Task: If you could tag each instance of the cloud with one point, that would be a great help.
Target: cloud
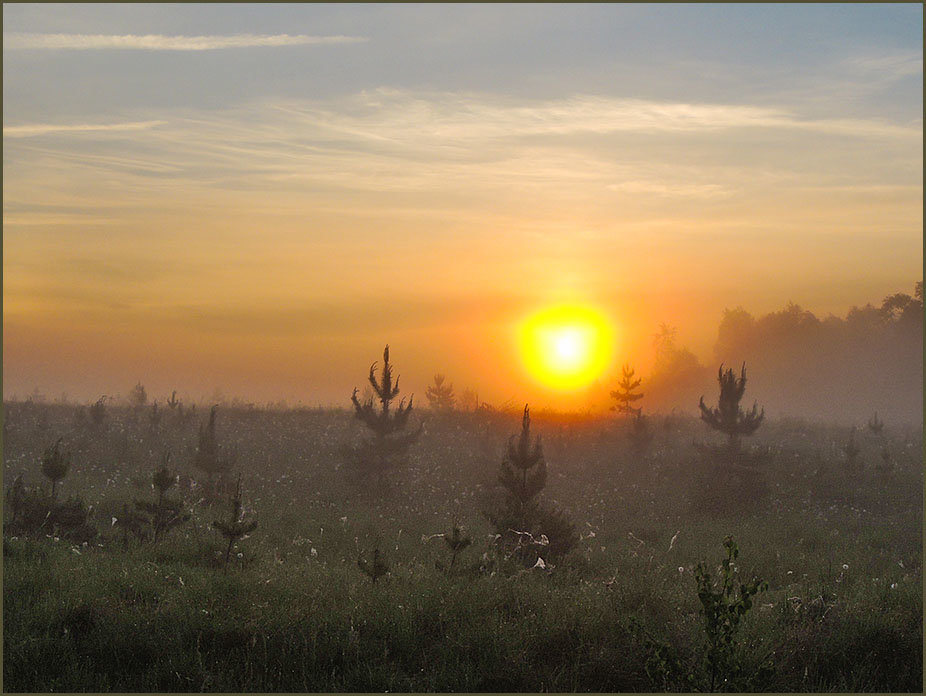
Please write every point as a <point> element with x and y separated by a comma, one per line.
<point>29,131</point>
<point>159,42</point>
<point>892,66</point>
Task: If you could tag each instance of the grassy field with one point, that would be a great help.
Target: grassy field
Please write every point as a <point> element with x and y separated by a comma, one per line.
<point>840,549</point>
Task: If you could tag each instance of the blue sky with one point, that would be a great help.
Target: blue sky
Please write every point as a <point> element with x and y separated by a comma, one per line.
<point>731,53</point>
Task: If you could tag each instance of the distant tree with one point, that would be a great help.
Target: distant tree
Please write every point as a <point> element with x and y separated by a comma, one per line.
<point>664,339</point>
<point>440,396</point>
<point>235,528</point>
<point>728,418</point>
<point>55,465</point>
<point>469,400</point>
<point>377,456</point>
<point>173,402</point>
<point>138,397</point>
<point>626,393</point>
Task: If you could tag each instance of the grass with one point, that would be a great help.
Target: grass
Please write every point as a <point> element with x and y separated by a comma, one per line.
<point>842,554</point>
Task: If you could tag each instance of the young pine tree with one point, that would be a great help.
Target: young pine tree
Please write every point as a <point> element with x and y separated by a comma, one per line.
<point>440,396</point>
<point>728,417</point>
<point>457,540</point>
<point>375,569</point>
<point>626,394</point>
<point>523,473</point>
<point>388,445</point>
<point>55,465</point>
<point>98,412</point>
<point>851,450</point>
<point>208,457</point>
<point>876,425</point>
<point>165,514</point>
<point>235,528</point>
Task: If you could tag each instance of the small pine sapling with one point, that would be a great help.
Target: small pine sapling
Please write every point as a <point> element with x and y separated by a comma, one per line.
<point>440,395</point>
<point>98,412</point>
<point>851,450</point>
<point>138,397</point>
<point>208,457</point>
<point>386,450</point>
<point>173,402</point>
<point>71,520</point>
<point>523,471</point>
<point>723,608</point>
<point>235,528</point>
<point>640,434</point>
<point>886,465</point>
<point>875,425</point>
<point>16,497</point>
<point>456,541</point>
<point>728,417</point>
<point>375,570</point>
<point>130,522</point>
<point>165,513</point>
<point>625,394</point>
<point>154,417</point>
<point>55,465</point>
<point>523,474</point>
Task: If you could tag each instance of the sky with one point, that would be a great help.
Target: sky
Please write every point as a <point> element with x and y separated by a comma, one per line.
<point>252,200</point>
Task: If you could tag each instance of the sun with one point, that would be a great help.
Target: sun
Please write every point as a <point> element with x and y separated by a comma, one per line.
<point>566,346</point>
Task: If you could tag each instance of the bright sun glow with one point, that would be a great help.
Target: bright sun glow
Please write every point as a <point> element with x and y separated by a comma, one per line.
<point>566,346</point>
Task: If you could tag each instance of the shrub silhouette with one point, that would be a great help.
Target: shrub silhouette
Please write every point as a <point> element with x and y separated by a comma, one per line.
<point>376,457</point>
<point>728,417</point>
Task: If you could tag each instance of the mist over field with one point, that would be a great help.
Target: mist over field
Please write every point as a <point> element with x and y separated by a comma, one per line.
<point>462,348</point>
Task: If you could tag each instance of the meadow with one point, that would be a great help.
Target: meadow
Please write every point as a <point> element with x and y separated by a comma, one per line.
<point>839,546</point>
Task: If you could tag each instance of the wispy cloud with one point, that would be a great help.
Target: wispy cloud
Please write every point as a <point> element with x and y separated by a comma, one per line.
<point>32,130</point>
<point>160,42</point>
